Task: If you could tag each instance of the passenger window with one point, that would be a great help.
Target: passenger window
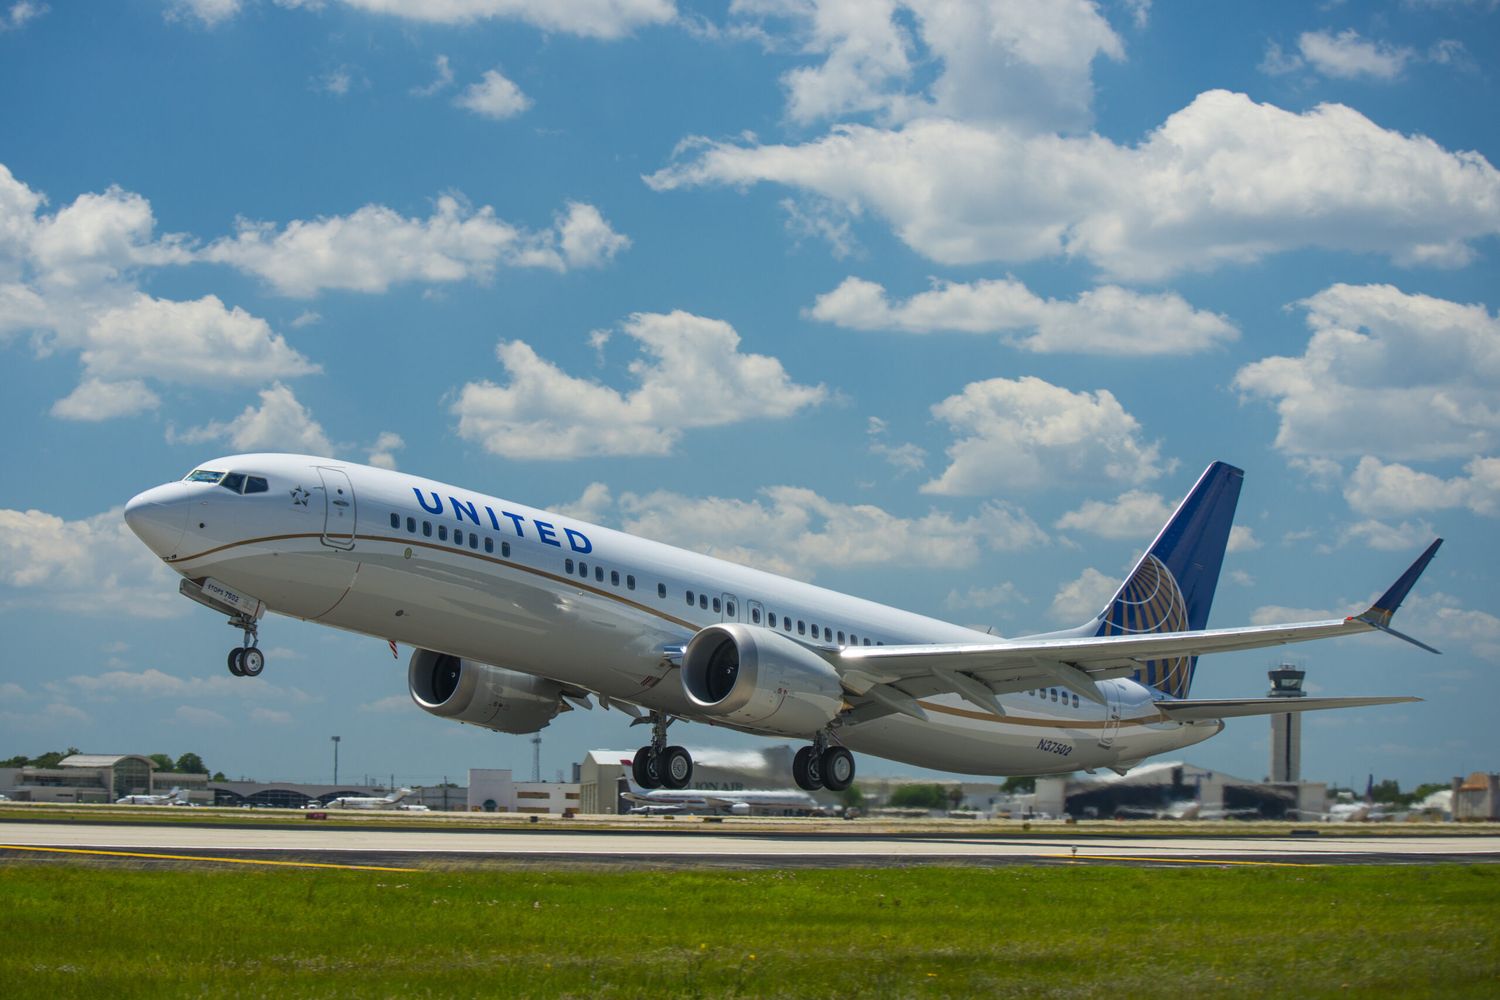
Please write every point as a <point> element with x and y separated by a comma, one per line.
<point>755,615</point>
<point>583,570</point>
<point>568,566</point>
<point>234,481</point>
<point>786,624</point>
<point>771,619</point>
<point>1053,693</point>
<point>427,528</point>
<point>661,590</point>
<point>458,537</point>
<point>474,540</point>
<point>867,642</point>
<point>827,634</point>
<point>1075,701</point>
<point>690,598</point>
<point>396,520</point>
<point>629,582</point>
<point>599,574</point>
<point>801,627</point>
<point>505,549</point>
<point>442,532</point>
<point>411,525</point>
<point>256,484</point>
<point>614,578</point>
<point>841,637</point>
<point>489,545</point>
<point>703,601</point>
<point>729,609</point>
<point>716,605</point>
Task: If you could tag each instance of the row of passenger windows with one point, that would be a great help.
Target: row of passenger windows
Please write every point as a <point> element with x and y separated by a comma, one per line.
<point>584,570</point>
<point>472,539</point>
<point>1055,695</point>
<point>826,633</point>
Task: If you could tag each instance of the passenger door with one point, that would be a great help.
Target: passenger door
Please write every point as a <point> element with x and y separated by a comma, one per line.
<point>339,510</point>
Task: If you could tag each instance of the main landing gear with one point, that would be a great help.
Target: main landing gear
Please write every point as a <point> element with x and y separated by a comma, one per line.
<point>657,765</point>
<point>246,660</point>
<point>823,765</point>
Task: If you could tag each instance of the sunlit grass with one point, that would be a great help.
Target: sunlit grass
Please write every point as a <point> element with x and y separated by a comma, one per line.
<point>114,931</point>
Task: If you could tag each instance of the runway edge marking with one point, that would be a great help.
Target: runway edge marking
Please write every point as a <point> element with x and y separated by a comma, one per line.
<point>195,857</point>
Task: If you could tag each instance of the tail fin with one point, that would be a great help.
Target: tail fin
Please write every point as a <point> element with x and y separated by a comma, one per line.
<point>1172,586</point>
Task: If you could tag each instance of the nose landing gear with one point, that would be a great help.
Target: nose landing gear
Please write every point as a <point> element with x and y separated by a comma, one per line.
<point>246,660</point>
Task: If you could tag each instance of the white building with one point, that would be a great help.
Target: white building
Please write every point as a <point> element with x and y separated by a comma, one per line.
<point>494,790</point>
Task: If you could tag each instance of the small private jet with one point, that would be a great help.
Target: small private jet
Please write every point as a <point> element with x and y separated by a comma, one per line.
<point>517,614</point>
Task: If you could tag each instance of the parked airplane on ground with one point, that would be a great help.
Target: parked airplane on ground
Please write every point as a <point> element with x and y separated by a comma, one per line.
<point>748,802</point>
<point>518,614</point>
<point>176,797</point>
<point>391,801</point>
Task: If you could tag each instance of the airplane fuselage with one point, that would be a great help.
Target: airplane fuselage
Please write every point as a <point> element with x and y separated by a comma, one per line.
<point>443,568</point>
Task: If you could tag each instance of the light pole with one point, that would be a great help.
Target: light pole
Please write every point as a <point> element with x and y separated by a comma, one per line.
<point>335,760</point>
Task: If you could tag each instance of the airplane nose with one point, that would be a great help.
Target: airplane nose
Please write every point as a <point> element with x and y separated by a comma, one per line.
<point>157,520</point>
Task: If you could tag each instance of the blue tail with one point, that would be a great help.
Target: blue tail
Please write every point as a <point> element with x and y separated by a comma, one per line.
<point>1172,587</point>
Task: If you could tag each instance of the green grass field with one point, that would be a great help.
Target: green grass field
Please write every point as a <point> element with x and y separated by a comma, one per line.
<point>109,930</point>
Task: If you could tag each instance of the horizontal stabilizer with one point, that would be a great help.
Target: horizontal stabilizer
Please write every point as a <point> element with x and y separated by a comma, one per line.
<point>1231,708</point>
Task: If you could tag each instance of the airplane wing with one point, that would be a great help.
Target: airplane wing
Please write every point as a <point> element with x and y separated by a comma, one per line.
<point>1231,708</point>
<point>887,679</point>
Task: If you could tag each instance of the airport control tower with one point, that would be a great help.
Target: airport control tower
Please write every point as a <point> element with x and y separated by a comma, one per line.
<point>1286,728</point>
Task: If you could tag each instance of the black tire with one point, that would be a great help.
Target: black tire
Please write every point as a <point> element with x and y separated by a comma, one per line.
<point>236,661</point>
<point>252,662</point>
<point>676,768</point>
<point>645,769</point>
<point>805,770</point>
<point>838,769</point>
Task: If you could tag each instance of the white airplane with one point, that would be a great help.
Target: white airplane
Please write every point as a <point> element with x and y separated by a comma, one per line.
<point>176,797</point>
<point>517,614</point>
<point>746,802</point>
<point>391,801</point>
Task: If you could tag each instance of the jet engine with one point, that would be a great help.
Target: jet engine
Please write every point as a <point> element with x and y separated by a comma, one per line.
<point>493,697</point>
<point>759,679</point>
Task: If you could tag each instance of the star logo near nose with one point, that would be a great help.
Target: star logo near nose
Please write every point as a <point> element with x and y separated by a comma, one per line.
<point>300,496</point>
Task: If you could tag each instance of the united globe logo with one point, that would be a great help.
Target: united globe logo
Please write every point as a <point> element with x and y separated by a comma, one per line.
<point>1151,602</point>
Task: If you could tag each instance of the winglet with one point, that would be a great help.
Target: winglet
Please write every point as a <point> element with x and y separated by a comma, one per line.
<point>1380,613</point>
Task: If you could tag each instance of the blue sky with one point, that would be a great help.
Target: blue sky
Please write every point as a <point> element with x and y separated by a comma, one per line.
<point>943,304</point>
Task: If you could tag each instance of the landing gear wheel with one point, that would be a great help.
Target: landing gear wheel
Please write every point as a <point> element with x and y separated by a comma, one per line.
<point>676,767</point>
<point>237,661</point>
<point>838,769</point>
<point>252,662</point>
<point>807,770</point>
<point>646,768</point>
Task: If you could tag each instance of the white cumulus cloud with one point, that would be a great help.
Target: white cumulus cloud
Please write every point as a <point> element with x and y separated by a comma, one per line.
<point>1104,320</point>
<point>1026,434</point>
<point>589,18</point>
<point>1417,376</point>
<point>279,423</point>
<point>1224,180</point>
<point>375,247</point>
<point>493,96</point>
<point>691,373</point>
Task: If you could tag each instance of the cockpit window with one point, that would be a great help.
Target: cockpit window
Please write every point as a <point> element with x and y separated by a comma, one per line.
<point>235,482</point>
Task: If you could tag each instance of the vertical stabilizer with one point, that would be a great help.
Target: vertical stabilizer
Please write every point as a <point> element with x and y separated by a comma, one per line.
<point>1172,587</point>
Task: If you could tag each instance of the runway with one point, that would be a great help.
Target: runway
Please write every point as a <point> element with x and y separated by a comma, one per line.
<point>387,848</point>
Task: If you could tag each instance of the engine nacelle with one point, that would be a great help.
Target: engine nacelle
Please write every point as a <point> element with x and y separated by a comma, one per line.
<point>759,679</point>
<point>493,697</point>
